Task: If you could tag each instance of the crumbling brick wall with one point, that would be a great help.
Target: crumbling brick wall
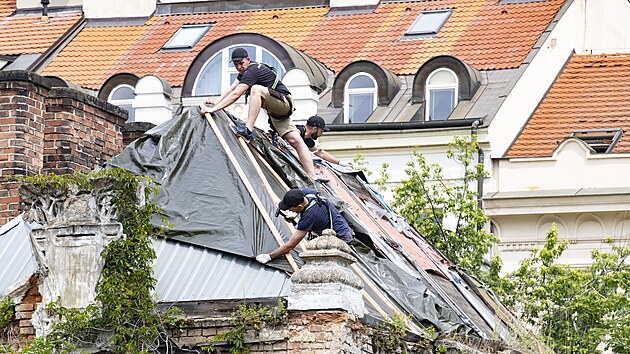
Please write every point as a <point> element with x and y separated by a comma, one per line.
<point>45,129</point>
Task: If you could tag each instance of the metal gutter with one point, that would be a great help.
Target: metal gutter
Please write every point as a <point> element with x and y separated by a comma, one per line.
<point>455,123</point>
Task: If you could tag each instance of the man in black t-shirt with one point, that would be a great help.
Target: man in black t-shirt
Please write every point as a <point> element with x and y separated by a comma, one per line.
<point>268,92</point>
<point>314,128</point>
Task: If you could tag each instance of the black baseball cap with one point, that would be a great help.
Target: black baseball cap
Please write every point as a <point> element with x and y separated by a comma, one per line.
<point>292,198</point>
<point>317,121</point>
<point>239,54</point>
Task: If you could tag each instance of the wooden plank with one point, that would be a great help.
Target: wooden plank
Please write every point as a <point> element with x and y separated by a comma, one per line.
<point>250,188</point>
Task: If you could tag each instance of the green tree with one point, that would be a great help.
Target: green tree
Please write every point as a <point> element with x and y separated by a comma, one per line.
<point>426,199</point>
<point>574,310</point>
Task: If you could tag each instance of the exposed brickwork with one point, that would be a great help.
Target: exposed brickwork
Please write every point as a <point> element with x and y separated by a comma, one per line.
<point>134,130</point>
<point>50,130</point>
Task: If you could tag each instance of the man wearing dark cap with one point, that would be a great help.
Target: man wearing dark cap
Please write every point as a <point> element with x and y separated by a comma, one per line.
<point>316,215</point>
<point>266,91</point>
<point>314,128</point>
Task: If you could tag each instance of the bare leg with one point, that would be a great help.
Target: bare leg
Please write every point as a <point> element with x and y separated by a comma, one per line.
<point>294,138</point>
<point>256,96</point>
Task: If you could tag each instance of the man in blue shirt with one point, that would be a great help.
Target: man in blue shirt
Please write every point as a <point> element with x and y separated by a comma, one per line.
<point>316,215</point>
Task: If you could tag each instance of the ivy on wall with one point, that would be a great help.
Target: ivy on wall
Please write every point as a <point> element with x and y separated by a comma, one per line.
<point>124,312</point>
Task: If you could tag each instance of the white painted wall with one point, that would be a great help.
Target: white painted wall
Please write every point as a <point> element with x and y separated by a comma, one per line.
<point>572,166</point>
<point>118,8</point>
<point>36,4</point>
<point>607,24</point>
<point>535,81</point>
<point>153,101</point>
<point>305,99</point>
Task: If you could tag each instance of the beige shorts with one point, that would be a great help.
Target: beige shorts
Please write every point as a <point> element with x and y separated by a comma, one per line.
<point>275,106</point>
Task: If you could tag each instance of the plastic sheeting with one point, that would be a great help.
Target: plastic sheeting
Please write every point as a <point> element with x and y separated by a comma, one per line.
<point>201,193</point>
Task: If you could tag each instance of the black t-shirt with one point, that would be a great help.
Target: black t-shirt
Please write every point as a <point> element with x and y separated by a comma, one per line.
<point>316,217</point>
<point>310,142</point>
<point>260,74</point>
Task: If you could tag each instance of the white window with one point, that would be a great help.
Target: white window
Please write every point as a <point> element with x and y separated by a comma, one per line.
<point>441,94</point>
<point>123,96</point>
<point>186,37</point>
<point>428,23</point>
<point>360,98</point>
<point>218,73</point>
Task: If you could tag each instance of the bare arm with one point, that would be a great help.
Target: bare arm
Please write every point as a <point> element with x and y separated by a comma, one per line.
<point>229,96</point>
<point>321,153</point>
<point>297,236</point>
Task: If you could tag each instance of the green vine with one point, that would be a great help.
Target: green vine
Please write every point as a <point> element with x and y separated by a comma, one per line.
<point>7,313</point>
<point>389,336</point>
<point>245,318</point>
<point>125,308</point>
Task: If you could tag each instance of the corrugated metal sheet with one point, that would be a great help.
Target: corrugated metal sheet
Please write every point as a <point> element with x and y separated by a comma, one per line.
<point>17,261</point>
<point>185,272</point>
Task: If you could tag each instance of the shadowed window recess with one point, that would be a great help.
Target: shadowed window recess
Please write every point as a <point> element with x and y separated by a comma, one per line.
<point>601,140</point>
<point>441,94</point>
<point>360,98</point>
<point>123,96</point>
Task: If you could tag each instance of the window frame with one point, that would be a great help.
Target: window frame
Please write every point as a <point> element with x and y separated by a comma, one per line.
<point>227,70</point>
<point>167,46</point>
<point>429,87</point>
<point>126,101</point>
<point>348,91</point>
<point>435,31</point>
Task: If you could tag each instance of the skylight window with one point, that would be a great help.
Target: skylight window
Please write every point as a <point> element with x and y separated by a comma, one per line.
<point>428,23</point>
<point>186,37</point>
<point>601,140</point>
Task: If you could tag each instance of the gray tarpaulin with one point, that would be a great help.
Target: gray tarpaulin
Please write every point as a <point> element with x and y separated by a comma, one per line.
<point>206,200</point>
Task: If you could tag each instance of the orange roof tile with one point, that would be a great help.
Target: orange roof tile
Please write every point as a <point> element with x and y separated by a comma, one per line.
<point>28,34</point>
<point>591,93</point>
<point>6,7</point>
<point>483,33</point>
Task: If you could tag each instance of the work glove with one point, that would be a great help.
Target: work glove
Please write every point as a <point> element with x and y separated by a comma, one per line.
<point>263,258</point>
<point>344,163</point>
<point>290,215</point>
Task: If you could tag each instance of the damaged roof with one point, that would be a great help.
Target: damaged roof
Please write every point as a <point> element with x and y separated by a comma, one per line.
<point>221,197</point>
<point>484,33</point>
<point>591,94</point>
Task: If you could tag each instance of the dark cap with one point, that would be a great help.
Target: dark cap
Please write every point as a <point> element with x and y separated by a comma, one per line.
<point>292,198</point>
<point>317,121</point>
<point>239,54</point>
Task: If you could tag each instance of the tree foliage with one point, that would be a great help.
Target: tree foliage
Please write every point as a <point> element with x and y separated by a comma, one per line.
<point>574,310</point>
<point>426,199</point>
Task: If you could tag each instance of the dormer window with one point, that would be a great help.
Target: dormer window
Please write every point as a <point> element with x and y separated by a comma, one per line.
<point>603,141</point>
<point>123,96</point>
<point>186,37</point>
<point>441,94</point>
<point>360,98</point>
<point>428,23</point>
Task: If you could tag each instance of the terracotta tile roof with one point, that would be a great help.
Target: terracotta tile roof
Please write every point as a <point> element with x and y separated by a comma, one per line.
<point>483,33</point>
<point>591,93</point>
<point>6,7</point>
<point>28,34</point>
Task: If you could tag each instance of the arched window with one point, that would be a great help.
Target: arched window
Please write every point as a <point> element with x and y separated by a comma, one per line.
<point>123,96</point>
<point>359,98</point>
<point>441,94</point>
<point>218,73</point>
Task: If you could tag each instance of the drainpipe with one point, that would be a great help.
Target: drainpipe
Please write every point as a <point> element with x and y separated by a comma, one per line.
<point>45,8</point>
<point>480,158</point>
